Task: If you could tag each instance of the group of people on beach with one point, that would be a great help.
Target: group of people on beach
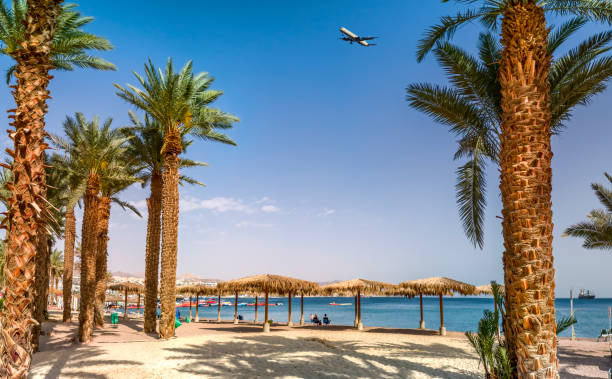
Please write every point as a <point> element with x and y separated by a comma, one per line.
<point>314,318</point>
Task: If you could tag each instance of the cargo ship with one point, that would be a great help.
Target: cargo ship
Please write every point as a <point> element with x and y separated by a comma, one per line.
<point>586,294</point>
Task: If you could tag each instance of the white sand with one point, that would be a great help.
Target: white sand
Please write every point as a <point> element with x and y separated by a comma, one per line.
<point>226,350</point>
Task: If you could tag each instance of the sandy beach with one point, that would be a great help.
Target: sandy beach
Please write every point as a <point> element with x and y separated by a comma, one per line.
<point>210,349</point>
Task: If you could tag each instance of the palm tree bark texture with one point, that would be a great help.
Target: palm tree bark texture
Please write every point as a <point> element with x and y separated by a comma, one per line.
<point>68,264</point>
<point>525,163</point>
<point>152,252</point>
<point>170,210</point>
<point>88,259</point>
<point>41,286</point>
<point>101,258</point>
<point>26,207</point>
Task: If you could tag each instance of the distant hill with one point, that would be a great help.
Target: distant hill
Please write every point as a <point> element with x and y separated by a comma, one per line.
<point>190,277</point>
<point>126,274</point>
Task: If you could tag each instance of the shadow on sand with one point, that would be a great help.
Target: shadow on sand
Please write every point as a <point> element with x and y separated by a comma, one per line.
<point>312,357</point>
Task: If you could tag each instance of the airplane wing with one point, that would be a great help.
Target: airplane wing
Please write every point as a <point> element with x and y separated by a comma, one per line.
<point>367,38</point>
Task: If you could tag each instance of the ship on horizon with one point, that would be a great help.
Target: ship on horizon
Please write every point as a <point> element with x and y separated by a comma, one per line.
<point>586,294</point>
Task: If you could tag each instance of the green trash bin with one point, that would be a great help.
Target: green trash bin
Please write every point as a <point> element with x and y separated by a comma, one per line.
<point>114,318</point>
<point>177,323</point>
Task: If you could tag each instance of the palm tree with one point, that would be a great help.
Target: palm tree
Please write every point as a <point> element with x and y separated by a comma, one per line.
<point>597,230</point>
<point>471,105</point>
<point>109,189</point>
<point>33,50</point>
<point>26,211</point>
<point>179,102</point>
<point>525,165</point>
<point>56,268</point>
<point>69,45</point>
<point>96,154</point>
<point>146,142</point>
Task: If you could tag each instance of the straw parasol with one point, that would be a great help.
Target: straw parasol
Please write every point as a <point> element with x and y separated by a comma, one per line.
<point>358,287</point>
<point>438,286</point>
<point>486,289</point>
<point>127,287</point>
<point>268,284</point>
<point>197,290</point>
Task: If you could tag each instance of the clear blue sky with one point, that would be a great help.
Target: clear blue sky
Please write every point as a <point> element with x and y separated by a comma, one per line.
<point>335,176</point>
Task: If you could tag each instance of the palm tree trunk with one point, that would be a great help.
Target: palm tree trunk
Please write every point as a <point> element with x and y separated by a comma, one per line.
<point>26,211</point>
<point>525,165</point>
<point>101,259</point>
<point>152,252</point>
<point>170,210</point>
<point>40,282</point>
<point>88,259</point>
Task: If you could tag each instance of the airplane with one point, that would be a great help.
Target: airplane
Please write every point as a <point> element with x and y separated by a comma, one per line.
<point>351,37</point>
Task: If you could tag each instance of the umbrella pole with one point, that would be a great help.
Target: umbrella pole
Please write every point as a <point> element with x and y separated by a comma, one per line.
<point>125,306</point>
<point>197,316</point>
<point>289,323</point>
<point>442,328</point>
<point>359,324</point>
<point>219,309</point>
<point>138,306</point>
<point>256,309</point>
<point>422,325</point>
<point>355,322</point>
<point>236,308</point>
<point>302,312</point>
<point>189,307</point>
<point>266,327</point>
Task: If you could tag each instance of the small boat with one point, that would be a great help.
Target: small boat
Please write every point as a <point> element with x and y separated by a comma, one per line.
<point>341,304</point>
<point>258,304</point>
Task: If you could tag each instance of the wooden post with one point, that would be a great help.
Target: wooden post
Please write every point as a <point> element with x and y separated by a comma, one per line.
<point>266,327</point>
<point>422,324</point>
<point>355,322</point>
<point>125,306</point>
<point>359,324</point>
<point>442,328</point>
<point>219,308</point>
<point>289,323</point>
<point>197,315</point>
<point>138,306</point>
<point>190,307</point>
<point>236,308</point>
<point>302,312</point>
<point>256,309</point>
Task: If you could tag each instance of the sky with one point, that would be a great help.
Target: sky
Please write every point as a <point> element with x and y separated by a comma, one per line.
<point>334,176</point>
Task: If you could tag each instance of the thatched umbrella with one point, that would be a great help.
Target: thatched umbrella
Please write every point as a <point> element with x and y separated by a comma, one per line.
<point>486,289</point>
<point>127,287</point>
<point>437,286</point>
<point>269,284</point>
<point>197,290</point>
<point>357,287</point>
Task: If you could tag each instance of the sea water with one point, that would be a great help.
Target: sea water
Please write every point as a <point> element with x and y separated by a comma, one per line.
<point>460,313</point>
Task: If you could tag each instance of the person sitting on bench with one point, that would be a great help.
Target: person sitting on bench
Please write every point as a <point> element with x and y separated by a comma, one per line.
<point>326,319</point>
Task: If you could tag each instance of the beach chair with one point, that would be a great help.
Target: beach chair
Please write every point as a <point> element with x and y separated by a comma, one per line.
<point>326,320</point>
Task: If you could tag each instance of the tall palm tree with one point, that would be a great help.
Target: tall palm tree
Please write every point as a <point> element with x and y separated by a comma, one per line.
<point>471,107</point>
<point>26,207</point>
<point>179,102</point>
<point>56,268</point>
<point>146,142</point>
<point>96,154</point>
<point>56,201</point>
<point>109,189</point>
<point>597,230</point>
<point>525,166</point>
<point>70,43</point>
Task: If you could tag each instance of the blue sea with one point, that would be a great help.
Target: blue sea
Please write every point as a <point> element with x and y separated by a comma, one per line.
<point>460,313</point>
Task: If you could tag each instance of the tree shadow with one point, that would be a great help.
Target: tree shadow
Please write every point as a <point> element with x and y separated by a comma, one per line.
<point>317,357</point>
<point>572,358</point>
<point>63,362</point>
